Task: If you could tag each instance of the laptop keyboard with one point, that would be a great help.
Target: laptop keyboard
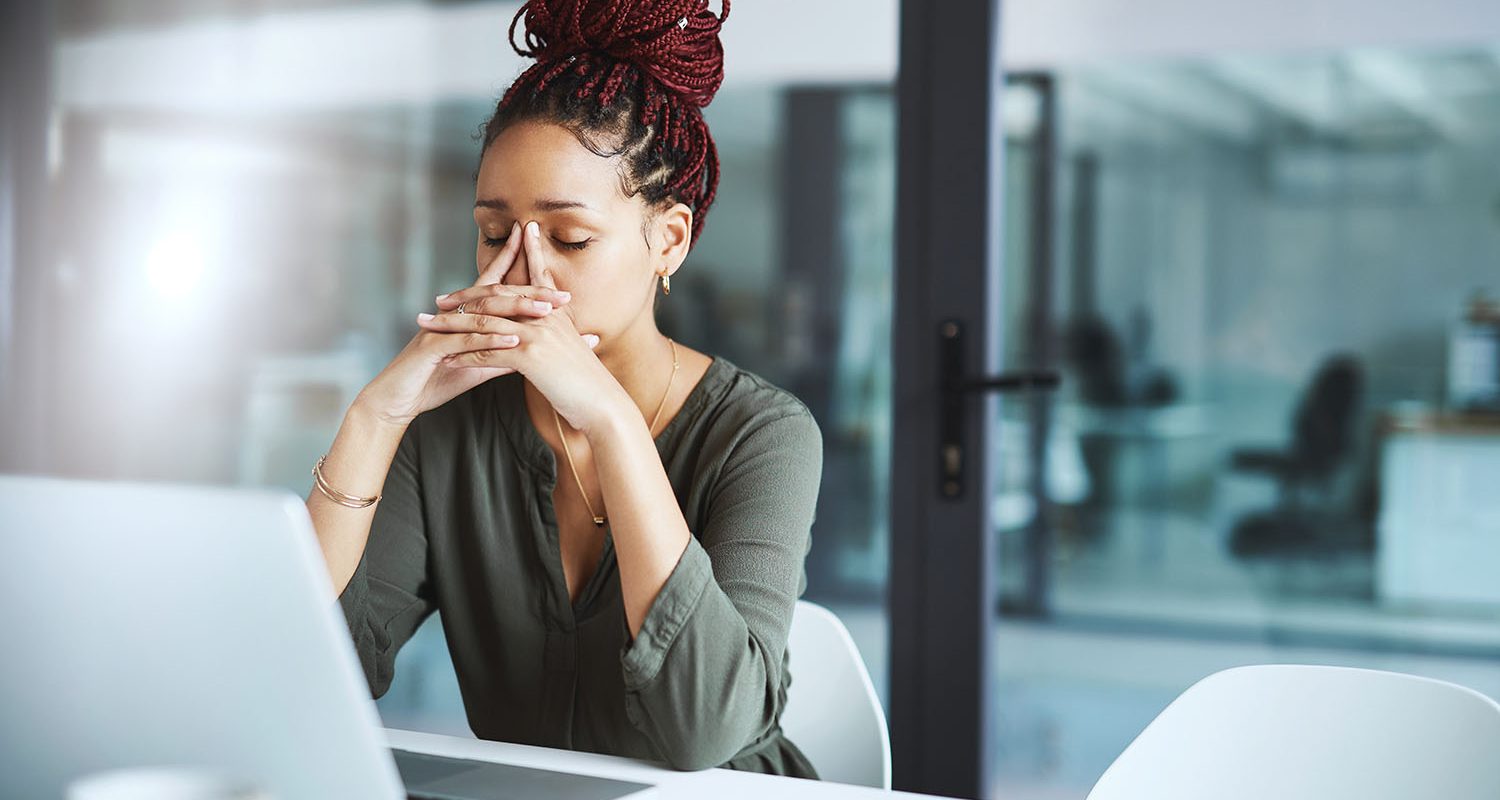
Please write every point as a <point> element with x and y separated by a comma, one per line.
<point>429,777</point>
<point>418,769</point>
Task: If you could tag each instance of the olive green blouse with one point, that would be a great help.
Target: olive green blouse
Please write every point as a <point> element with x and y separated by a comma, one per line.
<point>466,527</point>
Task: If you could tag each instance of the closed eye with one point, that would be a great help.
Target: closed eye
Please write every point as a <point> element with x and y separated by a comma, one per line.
<point>500,242</point>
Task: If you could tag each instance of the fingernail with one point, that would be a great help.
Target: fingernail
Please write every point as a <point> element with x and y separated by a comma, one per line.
<point>423,317</point>
<point>541,305</point>
<point>593,341</point>
<point>533,229</point>
<point>561,295</point>
<point>442,297</point>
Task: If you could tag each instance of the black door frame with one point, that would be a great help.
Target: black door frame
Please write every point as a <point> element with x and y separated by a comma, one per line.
<point>947,279</point>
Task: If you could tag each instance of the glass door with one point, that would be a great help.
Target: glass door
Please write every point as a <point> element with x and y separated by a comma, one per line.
<point>250,259</point>
<point>1270,284</point>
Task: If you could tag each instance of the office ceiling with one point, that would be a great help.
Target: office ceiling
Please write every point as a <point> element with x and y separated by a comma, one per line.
<point>88,17</point>
<point>1372,97</point>
<point>1364,95</point>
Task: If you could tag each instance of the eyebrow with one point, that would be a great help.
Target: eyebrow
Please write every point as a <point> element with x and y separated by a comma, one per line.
<point>543,205</point>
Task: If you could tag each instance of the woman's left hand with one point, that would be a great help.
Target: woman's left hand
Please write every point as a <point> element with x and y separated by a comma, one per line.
<point>553,354</point>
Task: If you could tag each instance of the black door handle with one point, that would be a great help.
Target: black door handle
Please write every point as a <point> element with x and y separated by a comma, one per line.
<point>1043,380</point>
<point>956,388</point>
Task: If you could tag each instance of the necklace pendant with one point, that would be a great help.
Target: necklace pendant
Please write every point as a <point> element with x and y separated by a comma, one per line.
<point>598,522</point>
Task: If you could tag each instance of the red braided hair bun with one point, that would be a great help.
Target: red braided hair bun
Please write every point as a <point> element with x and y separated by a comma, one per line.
<point>628,78</point>
<point>676,41</point>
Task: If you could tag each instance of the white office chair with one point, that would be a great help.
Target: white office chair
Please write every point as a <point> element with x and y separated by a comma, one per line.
<point>1313,733</point>
<point>832,712</point>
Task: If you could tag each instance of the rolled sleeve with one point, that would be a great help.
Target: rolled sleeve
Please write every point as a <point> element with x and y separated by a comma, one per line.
<point>673,607</point>
<point>705,677</point>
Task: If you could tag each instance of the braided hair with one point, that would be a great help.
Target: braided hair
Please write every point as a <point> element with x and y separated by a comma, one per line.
<point>627,78</point>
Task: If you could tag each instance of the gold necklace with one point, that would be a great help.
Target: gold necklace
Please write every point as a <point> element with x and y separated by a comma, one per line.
<point>598,518</point>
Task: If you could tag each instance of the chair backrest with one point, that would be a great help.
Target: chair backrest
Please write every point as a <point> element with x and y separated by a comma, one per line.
<point>1311,733</point>
<point>832,712</point>
<point>1323,429</point>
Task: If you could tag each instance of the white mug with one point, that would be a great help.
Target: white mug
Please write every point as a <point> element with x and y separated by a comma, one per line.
<point>162,783</point>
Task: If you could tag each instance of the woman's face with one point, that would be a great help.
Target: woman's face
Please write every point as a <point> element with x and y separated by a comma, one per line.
<point>603,247</point>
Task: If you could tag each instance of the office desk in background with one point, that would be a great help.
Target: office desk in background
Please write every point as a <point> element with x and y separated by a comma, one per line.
<point>718,784</point>
<point>1439,526</point>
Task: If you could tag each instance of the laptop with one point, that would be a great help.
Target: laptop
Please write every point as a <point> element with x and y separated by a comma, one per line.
<point>161,625</point>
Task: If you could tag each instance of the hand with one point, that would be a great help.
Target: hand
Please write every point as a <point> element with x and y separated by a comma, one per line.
<point>552,355</point>
<point>424,374</point>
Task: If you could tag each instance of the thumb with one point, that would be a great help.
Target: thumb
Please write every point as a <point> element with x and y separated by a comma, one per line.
<point>504,261</point>
<point>536,260</point>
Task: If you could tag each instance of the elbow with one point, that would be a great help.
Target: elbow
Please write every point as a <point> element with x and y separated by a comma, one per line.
<point>692,763</point>
<point>693,742</point>
<point>710,739</point>
<point>706,753</point>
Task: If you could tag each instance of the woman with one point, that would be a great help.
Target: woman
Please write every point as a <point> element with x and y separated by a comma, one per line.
<point>612,524</point>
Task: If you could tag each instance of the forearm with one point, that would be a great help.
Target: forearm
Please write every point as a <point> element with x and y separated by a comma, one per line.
<point>649,531</point>
<point>357,464</point>
<point>701,681</point>
<point>703,674</point>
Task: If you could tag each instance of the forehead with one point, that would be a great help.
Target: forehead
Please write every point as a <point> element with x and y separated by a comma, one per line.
<point>531,161</point>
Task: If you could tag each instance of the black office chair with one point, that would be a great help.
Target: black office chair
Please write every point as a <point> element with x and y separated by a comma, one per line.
<point>1323,443</point>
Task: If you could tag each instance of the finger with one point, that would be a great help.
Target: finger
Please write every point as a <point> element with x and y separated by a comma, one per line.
<point>495,271</point>
<point>468,323</point>
<point>452,345</point>
<point>487,359</point>
<point>484,373</point>
<point>536,260</point>
<point>504,357</point>
<point>476,294</point>
<point>503,305</point>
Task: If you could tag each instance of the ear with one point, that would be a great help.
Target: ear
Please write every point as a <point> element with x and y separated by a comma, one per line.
<point>673,236</point>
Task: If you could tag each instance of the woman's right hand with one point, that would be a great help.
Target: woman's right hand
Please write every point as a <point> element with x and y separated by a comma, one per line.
<point>421,378</point>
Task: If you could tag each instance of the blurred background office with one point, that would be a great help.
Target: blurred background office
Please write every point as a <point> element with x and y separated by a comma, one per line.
<point>1261,244</point>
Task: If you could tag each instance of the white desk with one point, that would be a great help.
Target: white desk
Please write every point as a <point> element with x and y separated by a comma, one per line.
<point>1439,528</point>
<point>719,784</point>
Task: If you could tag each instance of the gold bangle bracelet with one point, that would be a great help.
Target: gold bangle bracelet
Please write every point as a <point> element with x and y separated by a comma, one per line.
<point>346,500</point>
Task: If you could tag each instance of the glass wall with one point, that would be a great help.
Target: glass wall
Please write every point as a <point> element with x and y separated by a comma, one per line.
<point>1272,296</point>
<point>254,201</point>
<point>1262,276</point>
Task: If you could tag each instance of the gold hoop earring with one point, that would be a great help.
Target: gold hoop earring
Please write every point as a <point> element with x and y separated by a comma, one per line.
<point>666,284</point>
